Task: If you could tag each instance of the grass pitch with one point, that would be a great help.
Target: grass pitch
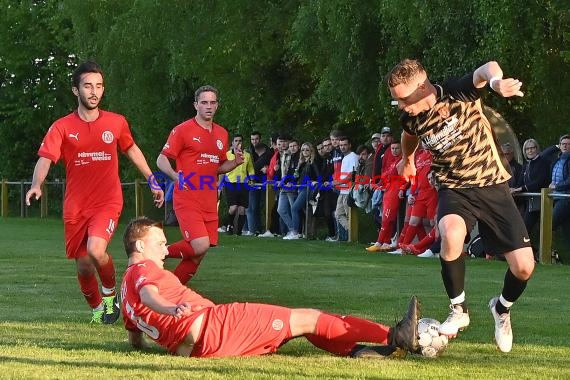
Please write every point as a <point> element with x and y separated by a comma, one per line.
<point>45,334</point>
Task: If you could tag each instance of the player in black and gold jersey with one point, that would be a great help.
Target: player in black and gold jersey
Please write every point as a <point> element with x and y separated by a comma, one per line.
<point>449,119</point>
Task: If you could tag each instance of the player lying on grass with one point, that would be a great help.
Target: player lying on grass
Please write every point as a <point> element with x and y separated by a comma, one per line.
<point>187,324</point>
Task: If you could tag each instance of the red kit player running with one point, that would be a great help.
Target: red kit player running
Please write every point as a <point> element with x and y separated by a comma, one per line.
<point>187,324</point>
<point>199,148</point>
<point>87,141</point>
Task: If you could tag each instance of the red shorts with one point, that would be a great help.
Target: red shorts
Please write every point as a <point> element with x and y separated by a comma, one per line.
<point>425,208</point>
<point>193,225</point>
<point>100,223</point>
<point>243,329</point>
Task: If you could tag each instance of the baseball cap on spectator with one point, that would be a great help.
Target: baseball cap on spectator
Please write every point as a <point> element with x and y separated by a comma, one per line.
<point>376,136</point>
<point>386,130</point>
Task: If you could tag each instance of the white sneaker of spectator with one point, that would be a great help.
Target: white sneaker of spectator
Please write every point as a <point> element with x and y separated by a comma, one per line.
<point>291,235</point>
<point>428,253</point>
<point>247,233</point>
<point>266,234</point>
<point>222,229</point>
<point>331,239</point>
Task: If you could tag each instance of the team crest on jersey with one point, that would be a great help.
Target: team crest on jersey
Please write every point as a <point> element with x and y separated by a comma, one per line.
<point>187,234</point>
<point>443,111</point>
<point>277,324</point>
<point>107,137</point>
<point>220,144</point>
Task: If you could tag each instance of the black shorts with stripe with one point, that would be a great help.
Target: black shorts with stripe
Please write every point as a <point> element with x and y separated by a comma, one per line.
<point>501,226</point>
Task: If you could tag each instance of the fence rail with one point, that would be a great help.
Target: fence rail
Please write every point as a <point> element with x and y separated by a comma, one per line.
<point>546,196</point>
<point>23,187</point>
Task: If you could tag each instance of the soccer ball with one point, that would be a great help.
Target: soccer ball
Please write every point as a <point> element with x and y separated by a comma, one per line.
<point>431,343</point>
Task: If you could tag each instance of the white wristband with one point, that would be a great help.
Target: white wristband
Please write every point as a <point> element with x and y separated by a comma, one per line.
<point>493,80</point>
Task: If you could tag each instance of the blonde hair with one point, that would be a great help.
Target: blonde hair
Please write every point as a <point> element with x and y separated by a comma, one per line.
<point>530,141</point>
<point>311,158</point>
<point>404,72</point>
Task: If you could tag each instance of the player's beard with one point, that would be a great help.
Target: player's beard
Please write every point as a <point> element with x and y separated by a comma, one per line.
<point>85,102</point>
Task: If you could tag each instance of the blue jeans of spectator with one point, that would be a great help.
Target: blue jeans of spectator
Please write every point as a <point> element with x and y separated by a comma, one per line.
<point>254,210</point>
<point>298,208</point>
<point>560,213</point>
<point>284,207</point>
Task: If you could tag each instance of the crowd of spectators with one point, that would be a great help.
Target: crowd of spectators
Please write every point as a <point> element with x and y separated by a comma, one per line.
<point>325,178</point>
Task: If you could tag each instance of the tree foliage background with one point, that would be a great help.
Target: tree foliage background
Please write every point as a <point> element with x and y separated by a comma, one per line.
<point>302,67</point>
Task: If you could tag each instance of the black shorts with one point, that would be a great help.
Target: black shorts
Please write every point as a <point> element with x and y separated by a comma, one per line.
<point>501,226</point>
<point>237,194</point>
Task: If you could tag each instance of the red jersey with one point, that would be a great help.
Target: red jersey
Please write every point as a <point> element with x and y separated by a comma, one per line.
<point>89,153</point>
<point>166,330</point>
<point>198,153</point>
<point>421,185</point>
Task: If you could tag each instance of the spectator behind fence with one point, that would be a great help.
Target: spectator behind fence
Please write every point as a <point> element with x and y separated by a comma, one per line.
<point>261,155</point>
<point>561,184</point>
<point>288,187</point>
<point>236,184</point>
<point>536,176</point>
<point>342,181</point>
<point>327,196</point>
<point>422,202</point>
<point>394,187</point>
<point>307,174</point>
<point>382,140</point>
<point>274,174</point>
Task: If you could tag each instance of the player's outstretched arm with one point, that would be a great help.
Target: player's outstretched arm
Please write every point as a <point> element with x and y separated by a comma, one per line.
<point>137,158</point>
<point>492,73</point>
<point>40,173</point>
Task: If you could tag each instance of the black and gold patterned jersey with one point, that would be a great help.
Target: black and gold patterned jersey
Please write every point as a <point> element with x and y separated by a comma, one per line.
<point>456,131</point>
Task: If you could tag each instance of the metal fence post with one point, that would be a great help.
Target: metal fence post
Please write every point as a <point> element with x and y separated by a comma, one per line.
<point>44,201</point>
<point>138,198</point>
<point>22,200</point>
<point>546,204</point>
<point>4,197</point>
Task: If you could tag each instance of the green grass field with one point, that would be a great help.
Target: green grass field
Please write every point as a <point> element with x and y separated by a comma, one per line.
<point>45,334</point>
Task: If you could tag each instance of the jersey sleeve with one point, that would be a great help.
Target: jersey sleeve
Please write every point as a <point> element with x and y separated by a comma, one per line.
<point>126,140</point>
<point>51,144</point>
<point>461,89</point>
<point>173,145</point>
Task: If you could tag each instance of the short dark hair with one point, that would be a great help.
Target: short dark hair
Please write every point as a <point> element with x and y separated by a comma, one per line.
<point>362,148</point>
<point>136,230</point>
<point>85,67</point>
<point>336,133</point>
<point>237,135</point>
<point>255,133</point>
<point>206,88</point>
<point>345,138</point>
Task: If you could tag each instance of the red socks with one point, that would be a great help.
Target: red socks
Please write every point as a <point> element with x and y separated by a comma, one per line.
<point>90,289</point>
<point>190,262</point>
<point>339,335</point>
<point>107,274</point>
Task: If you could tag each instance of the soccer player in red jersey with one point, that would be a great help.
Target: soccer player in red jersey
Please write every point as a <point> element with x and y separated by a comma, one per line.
<point>199,147</point>
<point>154,302</point>
<point>87,141</point>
